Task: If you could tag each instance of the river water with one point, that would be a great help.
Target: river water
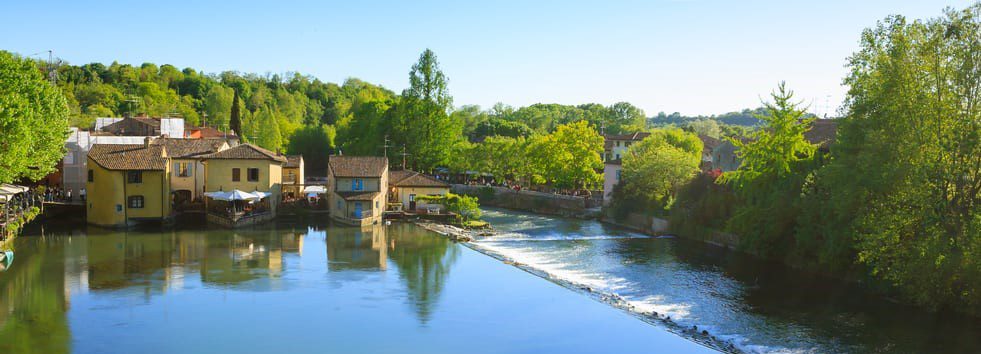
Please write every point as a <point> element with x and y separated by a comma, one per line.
<point>294,287</point>
<point>756,306</point>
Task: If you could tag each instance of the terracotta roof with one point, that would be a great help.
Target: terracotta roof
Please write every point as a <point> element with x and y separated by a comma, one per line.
<point>357,166</point>
<point>407,178</point>
<point>822,132</point>
<point>358,196</point>
<point>188,148</point>
<point>293,161</point>
<point>129,156</point>
<point>245,152</point>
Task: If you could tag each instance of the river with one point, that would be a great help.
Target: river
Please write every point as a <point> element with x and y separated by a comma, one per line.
<point>756,306</point>
<point>293,287</point>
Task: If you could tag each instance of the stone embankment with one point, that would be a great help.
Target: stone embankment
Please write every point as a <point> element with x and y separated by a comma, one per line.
<point>454,233</point>
<point>536,202</point>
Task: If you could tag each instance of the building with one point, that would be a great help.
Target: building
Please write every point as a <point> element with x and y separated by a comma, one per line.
<point>406,185</point>
<point>187,167</point>
<point>74,166</point>
<point>357,188</point>
<point>246,168</point>
<point>127,183</point>
<point>211,133</point>
<point>614,146</point>
<point>293,178</point>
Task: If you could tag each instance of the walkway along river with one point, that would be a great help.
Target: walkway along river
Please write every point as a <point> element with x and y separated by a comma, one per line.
<point>756,306</point>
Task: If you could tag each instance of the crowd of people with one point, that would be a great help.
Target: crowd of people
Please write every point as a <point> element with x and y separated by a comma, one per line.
<point>59,194</point>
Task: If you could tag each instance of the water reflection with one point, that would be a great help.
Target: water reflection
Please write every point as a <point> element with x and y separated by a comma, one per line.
<point>51,269</point>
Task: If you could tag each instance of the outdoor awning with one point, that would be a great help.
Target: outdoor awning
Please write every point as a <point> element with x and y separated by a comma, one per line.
<point>8,190</point>
<point>315,190</point>
<point>233,195</point>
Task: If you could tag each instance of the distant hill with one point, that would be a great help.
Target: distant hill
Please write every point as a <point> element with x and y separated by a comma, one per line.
<point>744,118</point>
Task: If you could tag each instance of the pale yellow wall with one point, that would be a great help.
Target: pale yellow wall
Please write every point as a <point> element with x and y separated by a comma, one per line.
<point>194,183</point>
<point>218,176</point>
<point>109,189</point>
<point>341,208</point>
<point>102,195</point>
<point>402,193</point>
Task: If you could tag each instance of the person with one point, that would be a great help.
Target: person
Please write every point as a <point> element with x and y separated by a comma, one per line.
<point>69,195</point>
<point>81,194</point>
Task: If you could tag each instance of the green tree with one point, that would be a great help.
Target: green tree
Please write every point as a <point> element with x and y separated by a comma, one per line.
<point>315,143</point>
<point>33,121</point>
<point>655,168</point>
<point>902,187</point>
<point>267,129</point>
<point>775,163</point>
<point>235,119</point>
<point>424,126</point>
<point>574,151</point>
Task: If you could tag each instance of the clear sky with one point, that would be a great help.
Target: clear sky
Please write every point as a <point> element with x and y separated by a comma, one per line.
<point>688,56</point>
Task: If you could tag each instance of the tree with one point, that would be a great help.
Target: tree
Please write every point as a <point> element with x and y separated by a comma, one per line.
<point>574,151</point>
<point>267,129</point>
<point>424,126</point>
<point>235,119</point>
<point>707,127</point>
<point>33,121</point>
<point>775,163</point>
<point>315,143</point>
<point>625,117</point>
<point>901,192</point>
<point>655,168</point>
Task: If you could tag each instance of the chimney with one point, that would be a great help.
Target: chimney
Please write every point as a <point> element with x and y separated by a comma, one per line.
<point>147,141</point>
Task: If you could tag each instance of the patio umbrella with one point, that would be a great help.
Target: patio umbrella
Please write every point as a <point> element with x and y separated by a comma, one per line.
<point>240,195</point>
<point>217,195</point>
<point>261,195</point>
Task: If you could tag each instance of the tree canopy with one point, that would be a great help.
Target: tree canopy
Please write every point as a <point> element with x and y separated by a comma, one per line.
<point>33,121</point>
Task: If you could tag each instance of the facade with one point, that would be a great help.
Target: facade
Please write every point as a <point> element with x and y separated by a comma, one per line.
<point>127,183</point>
<point>614,146</point>
<point>187,168</point>
<point>245,167</point>
<point>293,177</point>
<point>357,188</point>
<point>74,165</point>
<point>611,177</point>
<point>406,185</point>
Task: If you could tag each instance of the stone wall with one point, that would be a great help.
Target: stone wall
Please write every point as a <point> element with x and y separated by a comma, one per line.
<point>537,202</point>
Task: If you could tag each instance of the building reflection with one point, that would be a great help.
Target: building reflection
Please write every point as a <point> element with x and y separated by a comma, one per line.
<point>357,248</point>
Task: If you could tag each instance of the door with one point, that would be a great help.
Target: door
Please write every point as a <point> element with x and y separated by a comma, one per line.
<point>357,210</point>
<point>412,202</point>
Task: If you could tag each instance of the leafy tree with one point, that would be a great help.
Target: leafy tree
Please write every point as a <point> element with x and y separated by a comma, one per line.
<point>267,129</point>
<point>424,127</point>
<point>775,163</point>
<point>707,127</point>
<point>33,121</point>
<point>655,168</point>
<point>625,117</point>
<point>314,143</point>
<point>902,189</point>
<point>574,151</point>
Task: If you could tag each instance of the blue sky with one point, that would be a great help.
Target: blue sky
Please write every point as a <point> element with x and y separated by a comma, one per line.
<point>689,56</point>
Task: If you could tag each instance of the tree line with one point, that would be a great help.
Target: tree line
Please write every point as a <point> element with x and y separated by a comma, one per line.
<point>896,199</point>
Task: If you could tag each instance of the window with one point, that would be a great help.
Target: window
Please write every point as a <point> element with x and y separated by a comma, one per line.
<point>134,177</point>
<point>119,208</point>
<point>376,204</point>
<point>618,175</point>
<point>357,184</point>
<point>136,202</point>
<point>91,176</point>
<point>253,175</point>
<point>236,175</point>
<point>182,169</point>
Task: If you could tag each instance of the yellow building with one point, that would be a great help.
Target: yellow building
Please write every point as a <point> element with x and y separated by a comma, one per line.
<point>246,168</point>
<point>406,185</point>
<point>357,188</point>
<point>293,178</point>
<point>187,169</point>
<point>127,183</point>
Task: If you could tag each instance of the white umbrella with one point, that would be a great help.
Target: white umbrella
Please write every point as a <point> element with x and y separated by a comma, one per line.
<point>315,190</point>
<point>217,195</point>
<point>261,195</point>
<point>240,195</point>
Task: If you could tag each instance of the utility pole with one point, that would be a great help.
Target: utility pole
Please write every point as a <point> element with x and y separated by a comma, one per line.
<point>386,146</point>
<point>404,154</point>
